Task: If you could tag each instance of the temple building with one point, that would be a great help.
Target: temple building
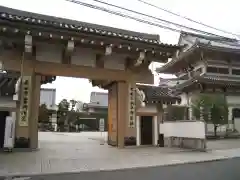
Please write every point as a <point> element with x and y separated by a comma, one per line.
<point>207,64</point>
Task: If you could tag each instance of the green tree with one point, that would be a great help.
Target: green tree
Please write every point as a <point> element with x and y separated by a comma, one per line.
<point>73,104</point>
<point>62,113</point>
<point>214,109</point>
<point>64,105</point>
<point>43,116</point>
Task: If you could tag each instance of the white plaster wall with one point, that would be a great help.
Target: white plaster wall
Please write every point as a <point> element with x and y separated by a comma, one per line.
<point>148,109</point>
<point>237,124</point>
<point>7,102</point>
<point>49,52</point>
<point>195,129</point>
<point>233,100</point>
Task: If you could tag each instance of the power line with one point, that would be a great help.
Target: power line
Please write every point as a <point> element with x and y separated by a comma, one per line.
<point>159,19</point>
<point>187,18</point>
<point>137,19</point>
<point>122,15</point>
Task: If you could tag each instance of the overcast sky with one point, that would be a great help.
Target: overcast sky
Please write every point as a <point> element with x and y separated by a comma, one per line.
<point>221,14</point>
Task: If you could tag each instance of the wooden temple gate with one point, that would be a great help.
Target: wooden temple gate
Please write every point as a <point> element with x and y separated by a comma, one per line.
<point>37,46</point>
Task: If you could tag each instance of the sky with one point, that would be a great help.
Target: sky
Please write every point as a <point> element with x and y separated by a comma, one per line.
<point>220,14</point>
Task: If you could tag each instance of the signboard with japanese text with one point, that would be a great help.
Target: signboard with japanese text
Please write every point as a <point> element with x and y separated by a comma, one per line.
<point>25,101</point>
<point>132,107</point>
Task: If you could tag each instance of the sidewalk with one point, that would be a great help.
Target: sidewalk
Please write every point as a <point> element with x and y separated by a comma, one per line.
<point>59,155</point>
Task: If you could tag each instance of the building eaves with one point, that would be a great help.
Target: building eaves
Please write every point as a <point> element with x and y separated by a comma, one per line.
<point>210,79</point>
<point>224,49</point>
<point>169,67</point>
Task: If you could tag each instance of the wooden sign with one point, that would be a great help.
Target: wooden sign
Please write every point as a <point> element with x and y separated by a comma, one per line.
<point>25,101</point>
<point>132,107</point>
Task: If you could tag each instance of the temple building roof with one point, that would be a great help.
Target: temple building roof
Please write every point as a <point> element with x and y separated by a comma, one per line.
<point>194,45</point>
<point>215,81</point>
<point>8,80</point>
<point>66,29</point>
<point>7,83</point>
<point>158,94</point>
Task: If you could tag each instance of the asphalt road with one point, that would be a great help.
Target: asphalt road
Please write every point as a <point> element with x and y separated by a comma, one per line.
<point>217,170</point>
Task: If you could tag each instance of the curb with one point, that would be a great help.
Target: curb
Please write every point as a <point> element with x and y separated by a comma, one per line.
<point>114,169</point>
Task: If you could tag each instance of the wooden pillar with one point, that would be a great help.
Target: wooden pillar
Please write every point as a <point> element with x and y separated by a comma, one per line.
<point>23,114</point>
<point>112,115</point>
<point>33,120</point>
<point>27,113</point>
<point>122,114</point>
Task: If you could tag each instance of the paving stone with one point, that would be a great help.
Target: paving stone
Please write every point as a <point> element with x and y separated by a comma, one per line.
<point>74,152</point>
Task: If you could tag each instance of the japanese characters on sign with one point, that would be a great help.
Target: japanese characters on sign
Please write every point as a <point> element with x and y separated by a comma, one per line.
<point>132,107</point>
<point>24,105</point>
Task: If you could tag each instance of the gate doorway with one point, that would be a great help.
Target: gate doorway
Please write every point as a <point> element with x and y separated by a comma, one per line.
<point>3,115</point>
<point>146,130</point>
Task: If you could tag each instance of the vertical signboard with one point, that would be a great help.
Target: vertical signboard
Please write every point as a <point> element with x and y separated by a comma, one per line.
<point>132,107</point>
<point>25,101</point>
<point>101,125</point>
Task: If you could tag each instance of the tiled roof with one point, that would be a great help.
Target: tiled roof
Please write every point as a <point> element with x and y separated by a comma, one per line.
<point>224,80</point>
<point>158,93</point>
<point>212,43</point>
<point>77,26</point>
<point>176,61</point>
<point>7,83</point>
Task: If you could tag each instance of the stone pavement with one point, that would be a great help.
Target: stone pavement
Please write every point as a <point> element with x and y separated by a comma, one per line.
<point>69,152</point>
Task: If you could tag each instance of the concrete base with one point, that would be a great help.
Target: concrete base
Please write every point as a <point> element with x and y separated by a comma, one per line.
<point>186,143</point>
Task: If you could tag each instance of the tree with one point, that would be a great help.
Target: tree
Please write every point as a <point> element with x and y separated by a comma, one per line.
<point>62,113</point>
<point>214,109</point>
<point>73,104</point>
<point>64,105</point>
<point>43,115</point>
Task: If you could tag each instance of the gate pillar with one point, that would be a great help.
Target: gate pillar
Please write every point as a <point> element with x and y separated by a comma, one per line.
<point>27,114</point>
<point>119,110</point>
<point>122,93</point>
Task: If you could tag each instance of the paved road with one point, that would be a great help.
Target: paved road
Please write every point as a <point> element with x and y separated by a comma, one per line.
<point>217,170</point>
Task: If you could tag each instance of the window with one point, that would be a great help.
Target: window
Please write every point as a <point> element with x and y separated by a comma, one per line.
<point>218,70</point>
<point>236,71</point>
<point>236,112</point>
<point>223,70</point>
<point>212,69</point>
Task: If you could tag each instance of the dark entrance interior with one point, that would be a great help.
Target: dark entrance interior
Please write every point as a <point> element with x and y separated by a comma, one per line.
<point>3,115</point>
<point>146,130</point>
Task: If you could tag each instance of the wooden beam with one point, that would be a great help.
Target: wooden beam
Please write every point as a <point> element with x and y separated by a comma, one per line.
<point>69,70</point>
<point>99,61</point>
